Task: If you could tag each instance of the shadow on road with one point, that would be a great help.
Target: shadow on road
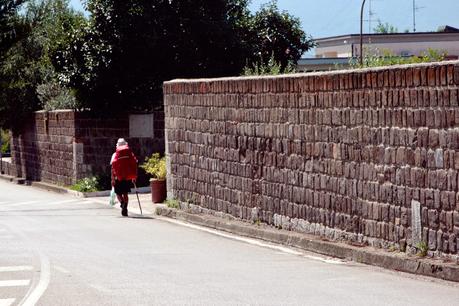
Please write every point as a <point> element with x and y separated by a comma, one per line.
<point>141,217</point>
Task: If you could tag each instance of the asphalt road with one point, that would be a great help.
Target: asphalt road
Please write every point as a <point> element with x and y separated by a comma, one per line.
<point>60,250</point>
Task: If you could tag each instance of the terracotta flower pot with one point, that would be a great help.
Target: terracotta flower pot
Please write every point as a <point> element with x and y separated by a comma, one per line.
<point>158,190</point>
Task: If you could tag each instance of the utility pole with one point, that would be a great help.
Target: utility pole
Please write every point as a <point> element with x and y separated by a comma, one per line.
<point>361,32</point>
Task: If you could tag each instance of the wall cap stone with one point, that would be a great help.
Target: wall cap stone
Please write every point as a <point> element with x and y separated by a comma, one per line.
<point>56,111</point>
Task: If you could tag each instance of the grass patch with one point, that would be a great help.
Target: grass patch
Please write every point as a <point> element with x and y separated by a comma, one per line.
<point>422,249</point>
<point>173,203</point>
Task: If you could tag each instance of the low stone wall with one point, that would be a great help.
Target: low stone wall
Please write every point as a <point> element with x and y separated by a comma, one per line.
<point>367,155</point>
<point>61,147</point>
<point>43,150</point>
<point>6,167</point>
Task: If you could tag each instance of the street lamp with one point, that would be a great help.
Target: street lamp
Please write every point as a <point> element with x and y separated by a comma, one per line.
<point>361,33</point>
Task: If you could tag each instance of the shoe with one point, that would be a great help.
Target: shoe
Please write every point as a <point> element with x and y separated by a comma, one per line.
<point>124,211</point>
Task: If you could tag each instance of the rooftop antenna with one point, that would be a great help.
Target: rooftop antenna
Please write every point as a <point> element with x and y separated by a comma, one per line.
<point>361,33</point>
<point>371,13</point>
<point>415,10</point>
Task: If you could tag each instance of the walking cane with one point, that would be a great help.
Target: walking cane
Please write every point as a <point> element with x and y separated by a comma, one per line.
<point>137,193</point>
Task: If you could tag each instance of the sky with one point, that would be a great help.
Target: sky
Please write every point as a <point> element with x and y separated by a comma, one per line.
<point>322,18</point>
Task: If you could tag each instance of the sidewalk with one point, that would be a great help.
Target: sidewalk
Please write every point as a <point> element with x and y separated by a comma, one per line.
<point>396,261</point>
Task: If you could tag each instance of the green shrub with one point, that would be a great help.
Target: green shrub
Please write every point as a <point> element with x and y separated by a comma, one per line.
<point>5,136</point>
<point>155,165</point>
<point>374,58</point>
<point>173,203</point>
<point>88,184</point>
<point>53,96</point>
<point>272,67</point>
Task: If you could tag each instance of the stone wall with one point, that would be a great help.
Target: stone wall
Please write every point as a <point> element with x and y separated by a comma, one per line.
<point>368,156</point>
<point>6,167</point>
<point>61,147</point>
<point>43,150</point>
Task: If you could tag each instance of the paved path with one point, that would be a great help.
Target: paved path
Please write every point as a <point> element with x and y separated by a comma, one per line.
<point>59,250</point>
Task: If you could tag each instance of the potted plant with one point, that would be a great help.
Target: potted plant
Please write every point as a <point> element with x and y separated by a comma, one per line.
<point>155,165</point>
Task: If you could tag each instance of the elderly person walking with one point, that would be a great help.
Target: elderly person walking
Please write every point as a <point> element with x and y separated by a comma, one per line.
<point>124,172</point>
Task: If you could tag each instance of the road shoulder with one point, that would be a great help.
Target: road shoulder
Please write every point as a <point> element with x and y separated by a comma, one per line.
<point>362,254</point>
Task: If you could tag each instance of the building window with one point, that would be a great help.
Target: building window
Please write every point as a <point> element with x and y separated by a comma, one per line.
<point>405,53</point>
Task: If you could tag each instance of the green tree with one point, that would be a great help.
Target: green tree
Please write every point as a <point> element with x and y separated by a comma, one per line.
<point>28,63</point>
<point>277,33</point>
<point>385,28</point>
<point>9,27</point>
<point>129,48</point>
<point>5,137</point>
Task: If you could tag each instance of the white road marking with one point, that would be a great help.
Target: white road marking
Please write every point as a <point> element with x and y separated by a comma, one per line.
<point>15,283</point>
<point>257,243</point>
<point>6,302</point>
<point>33,296</point>
<point>16,268</point>
<point>35,292</point>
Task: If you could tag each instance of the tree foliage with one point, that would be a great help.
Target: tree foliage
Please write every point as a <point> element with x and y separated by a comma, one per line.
<point>277,33</point>
<point>119,61</point>
<point>9,27</point>
<point>28,63</point>
<point>5,141</point>
<point>385,28</point>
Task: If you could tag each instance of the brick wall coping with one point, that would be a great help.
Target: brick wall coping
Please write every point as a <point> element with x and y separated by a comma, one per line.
<point>56,111</point>
<point>313,74</point>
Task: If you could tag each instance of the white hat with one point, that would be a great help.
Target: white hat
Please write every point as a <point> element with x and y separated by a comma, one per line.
<point>121,142</point>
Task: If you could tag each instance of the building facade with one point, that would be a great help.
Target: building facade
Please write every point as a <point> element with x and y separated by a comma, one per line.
<point>336,51</point>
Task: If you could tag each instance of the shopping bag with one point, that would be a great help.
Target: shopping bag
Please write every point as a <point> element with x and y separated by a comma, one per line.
<point>112,197</point>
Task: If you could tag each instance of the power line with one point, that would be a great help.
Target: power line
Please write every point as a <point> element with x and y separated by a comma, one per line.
<point>371,13</point>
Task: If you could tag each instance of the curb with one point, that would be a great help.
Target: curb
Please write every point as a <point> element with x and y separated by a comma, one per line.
<point>48,187</point>
<point>12,179</point>
<point>366,255</point>
<point>60,189</point>
<point>104,193</point>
